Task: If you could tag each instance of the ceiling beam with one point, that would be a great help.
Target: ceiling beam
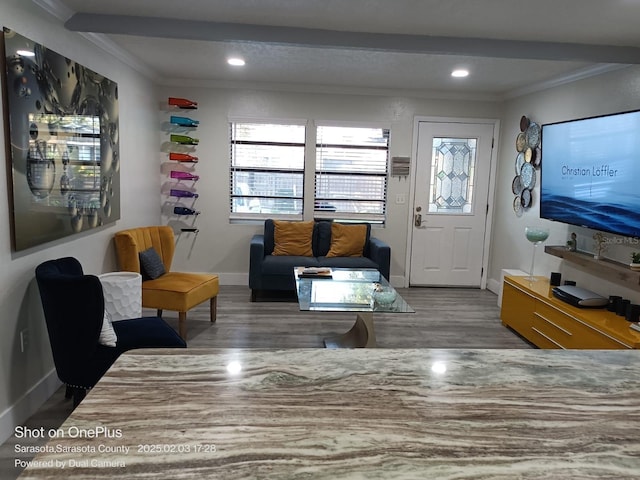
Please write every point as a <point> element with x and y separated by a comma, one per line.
<point>320,38</point>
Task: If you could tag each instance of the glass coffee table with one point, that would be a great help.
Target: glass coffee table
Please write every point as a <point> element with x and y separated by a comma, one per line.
<point>363,291</point>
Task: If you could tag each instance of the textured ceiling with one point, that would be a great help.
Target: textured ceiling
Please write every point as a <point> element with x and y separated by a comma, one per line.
<point>509,46</point>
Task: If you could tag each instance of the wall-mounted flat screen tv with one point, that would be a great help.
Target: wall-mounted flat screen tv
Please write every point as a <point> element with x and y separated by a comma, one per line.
<point>590,173</point>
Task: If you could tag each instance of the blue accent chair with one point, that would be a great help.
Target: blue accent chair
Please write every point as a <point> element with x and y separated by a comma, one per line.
<point>73,305</point>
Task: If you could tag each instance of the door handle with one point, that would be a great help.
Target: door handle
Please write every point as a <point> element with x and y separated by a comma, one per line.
<point>417,220</point>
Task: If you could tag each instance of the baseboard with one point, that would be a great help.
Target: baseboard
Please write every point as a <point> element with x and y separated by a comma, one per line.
<point>493,285</point>
<point>28,404</point>
<point>233,279</point>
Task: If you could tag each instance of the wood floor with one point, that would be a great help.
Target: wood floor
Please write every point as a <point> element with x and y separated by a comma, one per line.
<point>444,318</point>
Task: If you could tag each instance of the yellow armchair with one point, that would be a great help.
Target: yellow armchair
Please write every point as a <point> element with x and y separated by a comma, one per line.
<point>175,291</point>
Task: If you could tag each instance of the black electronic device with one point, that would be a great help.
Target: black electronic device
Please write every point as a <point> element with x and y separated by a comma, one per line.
<point>580,297</point>
<point>589,172</point>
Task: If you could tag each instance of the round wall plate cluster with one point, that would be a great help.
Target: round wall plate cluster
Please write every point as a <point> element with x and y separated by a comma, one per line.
<point>528,158</point>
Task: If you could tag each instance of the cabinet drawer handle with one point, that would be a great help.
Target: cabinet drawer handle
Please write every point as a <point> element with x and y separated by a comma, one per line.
<point>552,323</point>
<point>550,339</point>
<point>598,332</point>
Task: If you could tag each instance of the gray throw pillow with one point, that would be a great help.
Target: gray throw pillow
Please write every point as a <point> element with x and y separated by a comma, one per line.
<point>151,263</point>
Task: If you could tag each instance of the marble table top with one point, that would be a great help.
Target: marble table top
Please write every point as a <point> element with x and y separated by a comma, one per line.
<point>357,414</point>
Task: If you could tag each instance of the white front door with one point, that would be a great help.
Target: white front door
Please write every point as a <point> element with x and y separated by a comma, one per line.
<point>453,165</point>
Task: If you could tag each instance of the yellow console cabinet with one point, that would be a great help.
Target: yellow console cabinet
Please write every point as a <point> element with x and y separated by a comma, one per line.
<point>532,311</point>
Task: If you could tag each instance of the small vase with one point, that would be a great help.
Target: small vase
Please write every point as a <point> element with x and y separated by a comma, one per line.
<point>634,266</point>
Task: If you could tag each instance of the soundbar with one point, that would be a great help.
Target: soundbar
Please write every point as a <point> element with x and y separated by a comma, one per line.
<point>580,297</point>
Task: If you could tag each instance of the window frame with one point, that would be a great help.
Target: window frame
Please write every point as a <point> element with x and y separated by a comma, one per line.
<point>345,216</point>
<point>308,196</point>
<point>233,169</point>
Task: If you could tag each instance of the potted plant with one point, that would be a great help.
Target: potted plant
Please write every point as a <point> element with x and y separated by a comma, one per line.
<point>635,261</point>
<point>600,244</point>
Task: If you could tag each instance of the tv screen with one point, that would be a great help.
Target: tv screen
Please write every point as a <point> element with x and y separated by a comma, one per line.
<point>590,173</point>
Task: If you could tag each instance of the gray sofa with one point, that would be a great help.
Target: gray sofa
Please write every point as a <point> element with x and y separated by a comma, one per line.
<point>270,272</point>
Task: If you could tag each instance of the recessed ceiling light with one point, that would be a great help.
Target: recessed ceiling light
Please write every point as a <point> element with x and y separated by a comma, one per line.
<point>26,53</point>
<point>235,61</point>
<point>460,73</point>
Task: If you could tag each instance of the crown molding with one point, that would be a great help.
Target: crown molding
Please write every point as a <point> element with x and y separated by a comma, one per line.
<point>105,44</point>
<point>55,8</point>
<point>63,13</point>
<point>571,77</point>
<point>328,89</point>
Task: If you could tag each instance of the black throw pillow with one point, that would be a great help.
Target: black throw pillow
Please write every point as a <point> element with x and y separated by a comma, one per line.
<point>151,263</point>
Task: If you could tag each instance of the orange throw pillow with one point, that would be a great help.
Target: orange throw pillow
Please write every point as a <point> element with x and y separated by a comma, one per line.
<point>293,238</point>
<point>347,240</point>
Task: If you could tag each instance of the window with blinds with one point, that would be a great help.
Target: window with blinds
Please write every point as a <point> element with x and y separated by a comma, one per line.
<point>267,170</point>
<point>351,173</point>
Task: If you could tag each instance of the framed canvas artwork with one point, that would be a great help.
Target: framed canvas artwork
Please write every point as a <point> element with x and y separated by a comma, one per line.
<point>61,120</point>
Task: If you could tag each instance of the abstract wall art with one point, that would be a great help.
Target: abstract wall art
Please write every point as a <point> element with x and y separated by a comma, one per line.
<point>61,124</point>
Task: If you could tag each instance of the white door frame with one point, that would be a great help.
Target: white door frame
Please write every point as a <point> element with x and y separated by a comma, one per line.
<point>490,196</point>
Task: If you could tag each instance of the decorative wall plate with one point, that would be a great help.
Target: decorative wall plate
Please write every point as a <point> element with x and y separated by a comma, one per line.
<point>519,162</point>
<point>516,185</point>
<point>526,198</point>
<point>521,142</point>
<point>536,158</point>
<point>517,205</point>
<point>528,154</point>
<point>533,135</point>
<point>527,160</point>
<point>528,176</point>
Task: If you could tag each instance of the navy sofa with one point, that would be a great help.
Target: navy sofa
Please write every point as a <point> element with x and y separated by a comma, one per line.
<point>269,272</point>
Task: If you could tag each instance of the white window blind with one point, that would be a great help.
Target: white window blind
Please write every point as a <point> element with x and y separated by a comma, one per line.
<point>351,173</point>
<point>267,170</point>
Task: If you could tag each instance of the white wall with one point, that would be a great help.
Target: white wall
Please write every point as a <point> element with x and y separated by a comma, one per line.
<point>222,247</point>
<point>26,377</point>
<point>613,92</point>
